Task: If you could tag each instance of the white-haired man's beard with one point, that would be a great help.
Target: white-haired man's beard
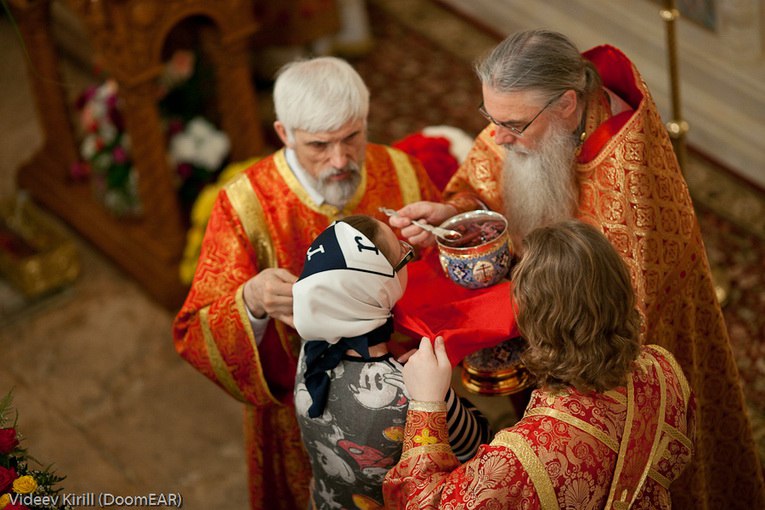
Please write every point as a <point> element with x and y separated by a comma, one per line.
<point>336,192</point>
<point>539,186</point>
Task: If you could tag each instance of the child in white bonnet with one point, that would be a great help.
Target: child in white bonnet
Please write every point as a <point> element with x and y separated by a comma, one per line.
<point>350,398</point>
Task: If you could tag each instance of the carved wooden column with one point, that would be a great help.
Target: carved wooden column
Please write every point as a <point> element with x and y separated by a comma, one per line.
<point>127,37</point>
<point>236,100</point>
<point>159,200</point>
<point>46,81</point>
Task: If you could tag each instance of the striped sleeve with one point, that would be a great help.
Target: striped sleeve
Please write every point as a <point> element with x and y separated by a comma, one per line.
<point>468,427</point>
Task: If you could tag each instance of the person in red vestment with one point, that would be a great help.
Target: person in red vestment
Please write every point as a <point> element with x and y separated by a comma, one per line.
<point>236,325</point>
<point>578,136</point>
<point>611,424</point>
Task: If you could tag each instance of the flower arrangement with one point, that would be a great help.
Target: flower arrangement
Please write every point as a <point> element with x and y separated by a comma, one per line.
<point>105,150</point>
<point>197,150</point>
<point>21,486</point>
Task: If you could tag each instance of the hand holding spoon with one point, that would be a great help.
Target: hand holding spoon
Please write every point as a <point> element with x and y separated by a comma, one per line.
<point>443,233</point>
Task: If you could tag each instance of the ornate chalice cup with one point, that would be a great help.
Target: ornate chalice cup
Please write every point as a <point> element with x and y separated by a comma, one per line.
<point>482,256</point>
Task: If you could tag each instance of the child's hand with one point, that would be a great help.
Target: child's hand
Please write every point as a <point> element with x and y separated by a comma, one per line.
<point>428,372</point>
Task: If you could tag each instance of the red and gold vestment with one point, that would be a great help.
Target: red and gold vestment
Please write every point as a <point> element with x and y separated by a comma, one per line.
<point>570,450</point>
<point>632,188</point>
<point>265,219</point>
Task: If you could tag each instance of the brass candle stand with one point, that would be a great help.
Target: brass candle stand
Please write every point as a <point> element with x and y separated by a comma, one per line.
<point>678,128</point>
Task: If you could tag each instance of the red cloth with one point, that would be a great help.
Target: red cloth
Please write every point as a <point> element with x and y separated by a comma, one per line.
<point>433,152</point>
<point>468,320</point>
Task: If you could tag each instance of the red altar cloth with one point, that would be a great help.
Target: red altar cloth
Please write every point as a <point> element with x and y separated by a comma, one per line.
<point>468,320</point>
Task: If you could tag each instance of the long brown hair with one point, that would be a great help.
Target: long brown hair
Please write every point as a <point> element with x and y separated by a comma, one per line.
<point>576,308</point>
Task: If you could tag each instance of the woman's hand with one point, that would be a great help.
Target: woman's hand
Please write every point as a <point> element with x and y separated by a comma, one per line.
<point>428,372</point>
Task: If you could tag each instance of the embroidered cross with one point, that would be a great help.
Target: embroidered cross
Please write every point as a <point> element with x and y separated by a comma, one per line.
<point>425,438</point>
<point>362,247</point>
<point>310,253</point>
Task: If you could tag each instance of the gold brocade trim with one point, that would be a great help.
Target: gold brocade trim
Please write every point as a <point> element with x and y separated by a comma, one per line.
<point>531,463</point>
<point>684,386</point>
<point>248,208</point>
<point>578,423</point>
<point>488,135</point>
<point>427,406</point>
<point>244,317</point>
<point>330,211</point>
<point>427,449</point>
<point>216,360</point>
<point>661,453</point>
<point>597,111</point>
<point>678,436</point>
<point>616,395</point>
<point>290,341</point>
<point>659,426</point>
<point>625,441</point>
<point>250,212</point>
<point>659,478</point>
<point>407,177</point>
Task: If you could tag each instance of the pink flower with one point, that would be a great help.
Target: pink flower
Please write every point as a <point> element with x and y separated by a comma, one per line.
<point>85,97</point>
<point>174,126</point>
<point>79,171</point>
<point>185,170</point>
<point>119,154</point>
<point>181,64</point>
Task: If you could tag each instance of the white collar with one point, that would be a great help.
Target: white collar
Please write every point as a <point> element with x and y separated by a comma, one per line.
<point>302,176</point>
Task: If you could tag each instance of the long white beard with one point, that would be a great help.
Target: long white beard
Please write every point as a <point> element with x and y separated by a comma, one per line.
<point>338,193</point>
<point>539,187</point>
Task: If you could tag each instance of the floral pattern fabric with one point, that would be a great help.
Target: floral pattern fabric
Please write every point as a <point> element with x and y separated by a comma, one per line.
<point>570,450</point>
<point>632,188</point>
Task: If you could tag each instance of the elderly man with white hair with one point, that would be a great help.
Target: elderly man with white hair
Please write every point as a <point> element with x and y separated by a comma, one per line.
<point>236,326</point>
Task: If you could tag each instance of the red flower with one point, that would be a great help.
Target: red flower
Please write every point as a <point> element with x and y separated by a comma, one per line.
<point>11,506</point>
<point>7,476</point>
<point>8,440</point>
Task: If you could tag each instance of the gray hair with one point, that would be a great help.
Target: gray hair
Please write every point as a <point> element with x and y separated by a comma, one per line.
<point>540,60</point>
<point>321,94</point>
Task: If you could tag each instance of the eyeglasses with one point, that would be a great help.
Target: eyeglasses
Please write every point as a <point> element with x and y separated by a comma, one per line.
<point>509,125</point>
<point>408,256</point>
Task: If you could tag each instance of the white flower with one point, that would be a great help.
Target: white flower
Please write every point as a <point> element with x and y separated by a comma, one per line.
<point>102,162</point>
<point>182,148</point>
<point>108,132</point>
<point>200,144</point>
<point>213,150</point>
<point>88,148</point>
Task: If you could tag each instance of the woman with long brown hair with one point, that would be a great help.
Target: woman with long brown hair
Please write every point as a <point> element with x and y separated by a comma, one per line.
<point>610,424</point>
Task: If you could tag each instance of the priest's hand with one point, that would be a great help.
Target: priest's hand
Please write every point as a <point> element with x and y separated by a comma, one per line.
<point>433,213</point>
<point>269,293</point>
<point>428,372</point>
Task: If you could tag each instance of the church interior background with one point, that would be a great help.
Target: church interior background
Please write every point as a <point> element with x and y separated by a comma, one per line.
<point>98,388</point>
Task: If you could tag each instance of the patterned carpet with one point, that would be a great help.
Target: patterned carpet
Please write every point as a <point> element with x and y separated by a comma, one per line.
<point>420,75</point>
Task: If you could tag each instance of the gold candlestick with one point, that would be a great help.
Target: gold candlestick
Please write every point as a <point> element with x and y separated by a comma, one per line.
<point>677,127</point>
